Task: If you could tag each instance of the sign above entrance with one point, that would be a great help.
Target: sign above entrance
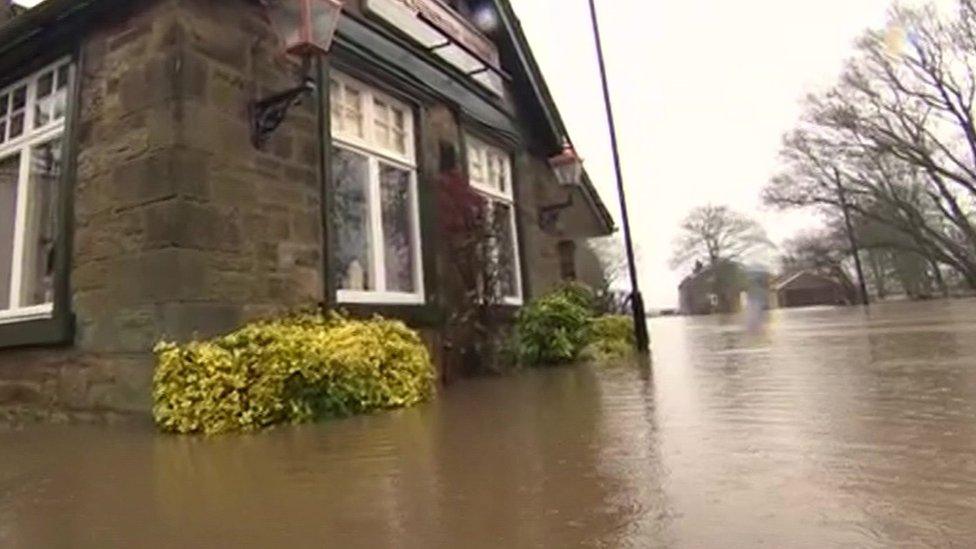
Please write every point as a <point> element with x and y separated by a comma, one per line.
<point>445,33</point>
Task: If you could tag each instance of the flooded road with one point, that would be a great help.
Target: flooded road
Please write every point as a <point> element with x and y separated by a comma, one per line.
<point>820,428</point>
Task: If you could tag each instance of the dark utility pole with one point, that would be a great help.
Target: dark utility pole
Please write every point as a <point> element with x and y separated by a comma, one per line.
<point>636,299</point>
<point>855,249</point>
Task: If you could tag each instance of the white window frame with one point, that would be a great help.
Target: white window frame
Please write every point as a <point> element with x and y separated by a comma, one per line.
<point>484,153</point>
<point>376,154</point>
<point>24,145</point>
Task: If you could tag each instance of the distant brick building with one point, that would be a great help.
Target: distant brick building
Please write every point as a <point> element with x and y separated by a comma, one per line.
<point>134,207</point>
<point>807,289</point>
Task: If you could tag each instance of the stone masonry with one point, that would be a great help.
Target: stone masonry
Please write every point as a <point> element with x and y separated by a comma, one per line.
<point>182,228</point>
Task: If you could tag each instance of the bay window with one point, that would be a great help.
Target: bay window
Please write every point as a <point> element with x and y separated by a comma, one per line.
<point>32,119</point>
<point>376,214</point>
<point>490,174</point>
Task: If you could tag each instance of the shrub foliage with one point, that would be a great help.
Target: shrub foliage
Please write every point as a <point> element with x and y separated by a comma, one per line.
<point>554,329</point>
<point>611,337</point>
<point>294,369</point>
<point>563,326</point>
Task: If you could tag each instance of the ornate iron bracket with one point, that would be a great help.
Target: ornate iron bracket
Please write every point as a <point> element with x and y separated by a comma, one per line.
<point>549,215</point>
<point>267,114</point>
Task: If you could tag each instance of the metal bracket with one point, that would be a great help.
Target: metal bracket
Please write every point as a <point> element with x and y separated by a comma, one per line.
<point>267,114</point>
<point>440,46</point>
<point>549,215</point>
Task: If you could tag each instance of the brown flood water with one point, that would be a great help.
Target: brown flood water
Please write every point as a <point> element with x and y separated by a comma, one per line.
<point>821,428</point>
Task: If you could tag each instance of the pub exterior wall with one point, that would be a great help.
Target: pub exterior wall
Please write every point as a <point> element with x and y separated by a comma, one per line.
<point>181,228</point>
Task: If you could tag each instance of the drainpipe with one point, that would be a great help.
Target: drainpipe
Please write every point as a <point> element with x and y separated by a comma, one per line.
<point>325,196</point>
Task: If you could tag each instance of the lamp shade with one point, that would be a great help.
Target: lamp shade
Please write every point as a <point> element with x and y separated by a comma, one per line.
<point>306,27</point>
<point>567,166</point>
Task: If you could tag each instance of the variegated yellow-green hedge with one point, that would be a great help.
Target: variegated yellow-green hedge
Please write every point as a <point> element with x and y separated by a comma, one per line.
<point>611,338</point>
<point>290,370</point>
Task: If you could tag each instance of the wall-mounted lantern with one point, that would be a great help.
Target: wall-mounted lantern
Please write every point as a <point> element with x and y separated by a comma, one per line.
<point>306,28</point>
<point>568,168</point>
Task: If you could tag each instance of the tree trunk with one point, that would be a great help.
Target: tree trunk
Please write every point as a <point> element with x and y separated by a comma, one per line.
<point>939,279</point>
<point>878,273</point>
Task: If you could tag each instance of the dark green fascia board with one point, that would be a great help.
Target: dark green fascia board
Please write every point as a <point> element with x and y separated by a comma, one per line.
<point>367,41</point>
<point>39,28</point>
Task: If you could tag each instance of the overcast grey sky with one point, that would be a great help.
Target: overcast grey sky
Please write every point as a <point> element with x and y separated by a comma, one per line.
<point>703,90</point>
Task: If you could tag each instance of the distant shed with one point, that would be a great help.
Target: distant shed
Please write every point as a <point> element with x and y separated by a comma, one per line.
<point>808,289</point>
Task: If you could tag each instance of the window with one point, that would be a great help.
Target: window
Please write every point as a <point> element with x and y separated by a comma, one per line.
<point>377,220</point>
<point>567,259</point>
<point>490,173</point>
<point>32,115</point>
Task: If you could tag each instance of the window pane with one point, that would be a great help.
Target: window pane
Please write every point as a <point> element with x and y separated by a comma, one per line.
<point>353,107</point>
<point>503,174</point>
<point>41,110</point>
<point>354,270</point>
<point>399,131</point>
<point>475,165</point>
<point>60,104</point>
<point>398,247</point>
<point>45,85</point>
<point>37,287</point>
<point>507,271</point>
<point>20,98</point>
<point>63,73</point>
<point>335,98</point>
<point>16,125</point>
<point>4,104</point>
<point>493,171</point>
<point>9,169</point>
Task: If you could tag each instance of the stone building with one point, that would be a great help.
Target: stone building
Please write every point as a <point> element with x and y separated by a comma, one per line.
<point>713,289</point>
<point>134,206</point>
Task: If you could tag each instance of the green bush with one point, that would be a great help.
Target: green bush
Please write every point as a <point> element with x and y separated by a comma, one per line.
<point>580,294</point>
<point>295,369</point>
<point>554,328</point>
<point>611,337</point>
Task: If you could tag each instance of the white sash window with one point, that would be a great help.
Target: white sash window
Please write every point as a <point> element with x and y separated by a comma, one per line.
<point>490,174</point>
<point>376,215</point>
<point>32,117</point>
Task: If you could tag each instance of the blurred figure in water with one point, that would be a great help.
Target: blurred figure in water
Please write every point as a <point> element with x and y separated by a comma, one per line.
<point>756,298</point>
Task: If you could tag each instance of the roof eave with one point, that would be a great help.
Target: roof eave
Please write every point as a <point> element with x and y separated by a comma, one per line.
<point>557,128</point>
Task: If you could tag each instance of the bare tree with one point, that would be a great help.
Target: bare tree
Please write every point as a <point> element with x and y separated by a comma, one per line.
<point>717,234</point>
<point>897,137</point>
<point>609,250</point>
<point>612,293</point>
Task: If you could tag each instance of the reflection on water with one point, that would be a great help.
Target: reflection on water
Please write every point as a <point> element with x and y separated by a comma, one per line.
<point>816,428</point>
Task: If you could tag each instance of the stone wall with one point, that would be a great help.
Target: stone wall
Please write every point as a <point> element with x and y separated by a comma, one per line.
<point>538,188</point>
<point>182,228</point>
<point>121,277</point>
